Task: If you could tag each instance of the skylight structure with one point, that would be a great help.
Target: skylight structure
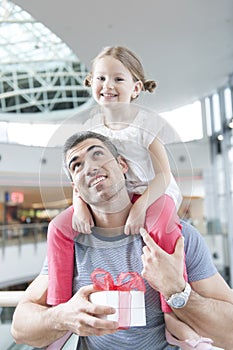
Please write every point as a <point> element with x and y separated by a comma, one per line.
<point>38,72</point>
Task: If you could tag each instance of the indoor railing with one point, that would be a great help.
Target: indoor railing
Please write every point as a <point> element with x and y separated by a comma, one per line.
<point>8,302</point>
<point>17,234</point>
<point>10,298</point>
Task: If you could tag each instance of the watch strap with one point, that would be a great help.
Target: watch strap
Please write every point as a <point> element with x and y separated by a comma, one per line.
<point>182,295</point>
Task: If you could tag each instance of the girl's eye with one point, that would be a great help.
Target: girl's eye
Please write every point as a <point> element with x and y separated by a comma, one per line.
<point>101,78</point>
<point>119,79</point>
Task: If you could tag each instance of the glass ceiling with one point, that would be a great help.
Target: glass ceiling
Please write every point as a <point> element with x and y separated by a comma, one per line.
<point>24,40</point>
<point>39,72</point>
<point>41,80</point>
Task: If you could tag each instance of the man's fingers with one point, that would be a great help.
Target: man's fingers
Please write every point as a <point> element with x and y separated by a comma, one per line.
<point>150,243</point>
<point>92,308</point>
<point>86,291</point>
<point>143,232</point>
<point>94,325</point>
<point>179,248</point>
<point>147,239</point>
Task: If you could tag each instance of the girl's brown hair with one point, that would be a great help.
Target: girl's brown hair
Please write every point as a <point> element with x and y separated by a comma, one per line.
<point>129,60</point>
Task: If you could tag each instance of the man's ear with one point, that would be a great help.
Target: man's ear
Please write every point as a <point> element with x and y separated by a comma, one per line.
<point>75,190</point>
<point>123,164</point>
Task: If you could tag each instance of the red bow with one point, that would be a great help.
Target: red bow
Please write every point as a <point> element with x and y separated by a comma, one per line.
<point>126,281</point>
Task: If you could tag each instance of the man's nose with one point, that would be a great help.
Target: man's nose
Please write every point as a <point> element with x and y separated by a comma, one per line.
<point>92,168</point>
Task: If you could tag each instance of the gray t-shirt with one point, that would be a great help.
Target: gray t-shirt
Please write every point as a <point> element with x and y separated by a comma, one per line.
<point>123,254</point>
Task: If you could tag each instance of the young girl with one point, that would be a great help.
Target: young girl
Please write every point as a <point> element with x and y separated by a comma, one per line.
<point>116,79</point>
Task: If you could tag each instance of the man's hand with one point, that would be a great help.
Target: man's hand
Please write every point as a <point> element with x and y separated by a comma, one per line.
<point>163,271</point>
<point>82,317</point>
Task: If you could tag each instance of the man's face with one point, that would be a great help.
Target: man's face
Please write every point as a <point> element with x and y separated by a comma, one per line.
<point>97,176</point>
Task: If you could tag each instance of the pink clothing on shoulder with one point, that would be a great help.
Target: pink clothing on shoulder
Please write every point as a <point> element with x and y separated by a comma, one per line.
<point>162,223</point>
<point>60,253</point>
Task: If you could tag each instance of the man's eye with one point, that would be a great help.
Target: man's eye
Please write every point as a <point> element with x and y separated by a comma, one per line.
<point>98,153</point>
<point>76,166</point>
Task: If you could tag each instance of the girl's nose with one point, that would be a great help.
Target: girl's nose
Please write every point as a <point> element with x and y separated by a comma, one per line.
<point>108,83</point>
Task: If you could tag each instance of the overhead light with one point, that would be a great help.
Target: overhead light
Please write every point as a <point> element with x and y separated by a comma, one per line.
<point>230,125</point>
<point>220,137</point>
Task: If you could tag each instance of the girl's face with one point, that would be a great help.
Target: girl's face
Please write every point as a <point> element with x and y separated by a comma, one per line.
<point>112,82</point>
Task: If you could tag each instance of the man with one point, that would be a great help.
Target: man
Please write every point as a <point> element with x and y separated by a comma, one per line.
<point>97,174</point>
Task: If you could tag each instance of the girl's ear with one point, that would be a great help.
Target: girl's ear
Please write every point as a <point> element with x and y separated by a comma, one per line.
<point>137,89</point>
<point>123,164</point>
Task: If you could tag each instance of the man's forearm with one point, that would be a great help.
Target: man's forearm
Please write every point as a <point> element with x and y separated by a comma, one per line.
<point>36,325</point>
<point>210,318</point>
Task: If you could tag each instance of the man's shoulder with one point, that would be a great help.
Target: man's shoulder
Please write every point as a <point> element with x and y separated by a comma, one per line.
<point>194,242</point>
<point>187,228</point>
<point>192,237</point>
<point>199,262</point>
<point>64,218</point>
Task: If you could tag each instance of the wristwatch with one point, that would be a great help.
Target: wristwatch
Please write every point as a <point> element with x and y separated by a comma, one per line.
<point>179,300</point>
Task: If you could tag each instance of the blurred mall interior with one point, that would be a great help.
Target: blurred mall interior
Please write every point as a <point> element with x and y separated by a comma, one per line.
<point>45,54</point>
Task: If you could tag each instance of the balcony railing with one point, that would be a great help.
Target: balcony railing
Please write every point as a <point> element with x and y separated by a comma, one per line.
<point>10,299</point>
<point>17,234</point>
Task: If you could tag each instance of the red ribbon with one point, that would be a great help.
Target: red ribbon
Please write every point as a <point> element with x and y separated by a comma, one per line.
<point>126,281</point>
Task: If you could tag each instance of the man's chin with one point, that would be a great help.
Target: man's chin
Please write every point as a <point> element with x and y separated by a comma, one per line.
<point>107,200</point>
<point>102,194</point>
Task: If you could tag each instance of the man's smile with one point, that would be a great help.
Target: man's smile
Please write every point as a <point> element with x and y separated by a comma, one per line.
<point>97,180</point>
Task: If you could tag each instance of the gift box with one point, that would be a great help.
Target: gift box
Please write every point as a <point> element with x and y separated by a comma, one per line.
<point>127,296</point>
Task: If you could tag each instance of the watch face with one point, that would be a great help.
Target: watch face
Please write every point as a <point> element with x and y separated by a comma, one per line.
<point>178,301</point>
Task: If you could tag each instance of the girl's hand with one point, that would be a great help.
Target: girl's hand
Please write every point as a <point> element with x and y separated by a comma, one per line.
<point>135,220</point>
<point>82,220</point>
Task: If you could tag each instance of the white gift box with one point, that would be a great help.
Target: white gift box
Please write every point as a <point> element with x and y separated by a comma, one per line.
<point>130,306</point>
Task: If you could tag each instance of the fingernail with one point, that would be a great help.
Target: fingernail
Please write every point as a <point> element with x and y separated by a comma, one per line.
<point>143,232</point>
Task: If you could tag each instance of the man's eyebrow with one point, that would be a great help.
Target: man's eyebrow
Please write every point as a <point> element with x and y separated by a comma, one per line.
<point>94,146</point>
<point>88,150</point>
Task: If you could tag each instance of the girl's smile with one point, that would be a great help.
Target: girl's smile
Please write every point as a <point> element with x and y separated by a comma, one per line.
<point>112,82</point>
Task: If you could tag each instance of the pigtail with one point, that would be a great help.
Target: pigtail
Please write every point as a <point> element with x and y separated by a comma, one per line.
<point>149,85</point>
<point>87,80</point>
